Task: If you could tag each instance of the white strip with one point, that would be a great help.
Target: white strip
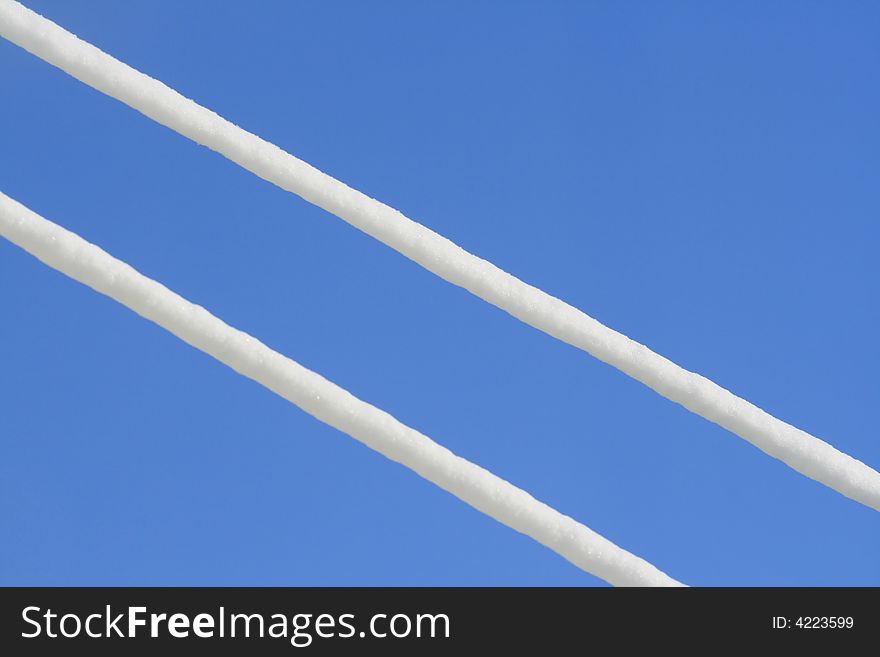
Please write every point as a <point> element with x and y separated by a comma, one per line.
<point>805,453</point>
<point>86,263</point>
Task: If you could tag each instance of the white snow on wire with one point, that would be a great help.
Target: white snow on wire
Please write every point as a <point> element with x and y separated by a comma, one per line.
<point>88,264</point>
<point>803,452</point>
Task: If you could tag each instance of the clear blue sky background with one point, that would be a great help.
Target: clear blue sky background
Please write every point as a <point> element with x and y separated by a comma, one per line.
<point>700,176</point>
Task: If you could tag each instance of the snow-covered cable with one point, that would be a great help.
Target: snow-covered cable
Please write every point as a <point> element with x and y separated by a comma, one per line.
<point>88,264</point>
<point>803,452</point>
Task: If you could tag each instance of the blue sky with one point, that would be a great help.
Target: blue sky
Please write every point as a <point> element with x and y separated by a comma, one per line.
<point>699,176</point>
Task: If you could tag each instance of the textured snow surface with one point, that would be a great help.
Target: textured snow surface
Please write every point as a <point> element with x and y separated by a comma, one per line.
<point>803,452</point>
<point>88,264</point>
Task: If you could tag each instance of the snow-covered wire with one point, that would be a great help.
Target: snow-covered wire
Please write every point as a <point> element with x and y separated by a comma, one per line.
<point>512,506</point>
<point>803,452</point>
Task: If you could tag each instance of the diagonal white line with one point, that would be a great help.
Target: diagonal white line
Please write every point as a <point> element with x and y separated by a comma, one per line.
<point>803,452</point>
<point>497,498</point>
